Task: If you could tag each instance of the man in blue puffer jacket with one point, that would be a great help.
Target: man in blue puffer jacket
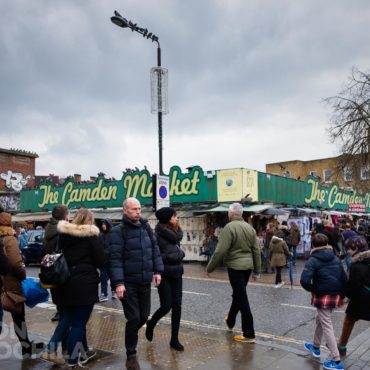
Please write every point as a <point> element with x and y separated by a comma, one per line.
<point>135,261</point>
<point>324,277</point>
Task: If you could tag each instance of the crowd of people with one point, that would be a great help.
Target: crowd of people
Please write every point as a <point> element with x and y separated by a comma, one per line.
<point>132,256</point>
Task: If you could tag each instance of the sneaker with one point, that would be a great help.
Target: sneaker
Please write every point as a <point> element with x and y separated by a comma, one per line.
<point>52,357</point>
<point>333,365</point>
<point>242,338</point>
<point>75,366</point>
<point>103,298</point>
<point>281,284</point>
<point>114,295</point>
<point>314,351</point>
<point>85,357</point>
<point>228,326</point>
<point>277,286</point>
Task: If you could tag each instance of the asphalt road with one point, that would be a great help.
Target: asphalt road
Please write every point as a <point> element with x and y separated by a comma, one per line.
<point>282,314</point>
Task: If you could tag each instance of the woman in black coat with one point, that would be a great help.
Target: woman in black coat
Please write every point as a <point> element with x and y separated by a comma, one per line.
<point>84,253</point>
<point>169,235</point>
<point>357,288</point>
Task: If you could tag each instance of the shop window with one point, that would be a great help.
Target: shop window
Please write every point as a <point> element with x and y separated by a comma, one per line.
<point>328,174</point>
<point>347,174</point>
<point>365,172</point>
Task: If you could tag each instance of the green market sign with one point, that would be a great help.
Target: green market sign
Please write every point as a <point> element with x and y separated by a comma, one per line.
<point>333,197</point>
<point>184,188</point>
<point>281,190</point>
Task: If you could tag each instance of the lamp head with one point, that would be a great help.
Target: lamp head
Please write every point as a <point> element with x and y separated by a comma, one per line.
<point>118,20</point>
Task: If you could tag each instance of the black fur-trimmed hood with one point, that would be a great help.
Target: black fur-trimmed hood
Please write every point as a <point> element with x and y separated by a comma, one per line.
<point>79,231</point>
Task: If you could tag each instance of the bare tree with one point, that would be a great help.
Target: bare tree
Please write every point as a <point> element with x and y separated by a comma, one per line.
<point>349,125</point>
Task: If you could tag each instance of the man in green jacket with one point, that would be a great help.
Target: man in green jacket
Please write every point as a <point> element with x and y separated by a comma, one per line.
<point>238,250</point>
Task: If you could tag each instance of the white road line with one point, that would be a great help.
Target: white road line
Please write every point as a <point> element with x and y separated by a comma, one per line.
<point>306,307</point>
<point>188,292</point>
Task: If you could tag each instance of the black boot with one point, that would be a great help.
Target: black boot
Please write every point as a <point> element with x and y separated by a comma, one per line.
<point>29,348</point>
<point>175,344</point>
<point>149,331</point>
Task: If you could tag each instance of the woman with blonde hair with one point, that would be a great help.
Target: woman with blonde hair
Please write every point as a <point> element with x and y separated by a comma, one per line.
<point>79,242</point>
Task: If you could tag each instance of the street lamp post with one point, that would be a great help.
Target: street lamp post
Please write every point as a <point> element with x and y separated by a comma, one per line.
<point>159,78</point>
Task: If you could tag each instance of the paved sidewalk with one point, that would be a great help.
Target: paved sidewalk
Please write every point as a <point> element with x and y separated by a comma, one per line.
<point>211,348</point>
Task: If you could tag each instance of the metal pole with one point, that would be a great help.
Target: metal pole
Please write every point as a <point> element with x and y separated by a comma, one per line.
<point>159,111</point>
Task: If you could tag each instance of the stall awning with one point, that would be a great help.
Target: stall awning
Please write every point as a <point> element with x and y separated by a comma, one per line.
<point>256,208</point>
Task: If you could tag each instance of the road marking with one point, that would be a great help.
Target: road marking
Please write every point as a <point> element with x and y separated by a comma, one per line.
<point>306,307</point>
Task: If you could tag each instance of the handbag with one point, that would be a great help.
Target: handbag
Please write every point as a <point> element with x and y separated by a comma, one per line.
<point>54,270</point>
<point>34,293</point>
<point>12,301</point>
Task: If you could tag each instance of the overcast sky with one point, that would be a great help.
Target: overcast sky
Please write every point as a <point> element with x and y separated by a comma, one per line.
<point>246,81</point>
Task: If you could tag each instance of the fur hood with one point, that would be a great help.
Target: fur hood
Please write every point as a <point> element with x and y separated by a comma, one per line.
<point>6,231</point>
<point>313,250</point>
<point>361,256</point>
<point>80,231</point>
<point>276,239</point>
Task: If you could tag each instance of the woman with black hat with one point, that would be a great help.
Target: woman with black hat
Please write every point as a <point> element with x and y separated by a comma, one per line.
<point>169,235</point>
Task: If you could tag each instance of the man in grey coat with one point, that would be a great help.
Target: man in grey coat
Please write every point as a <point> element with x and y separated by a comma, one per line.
<point>239,251</point>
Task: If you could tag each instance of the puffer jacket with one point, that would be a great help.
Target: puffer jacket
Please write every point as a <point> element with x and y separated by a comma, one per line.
<point>358,287</point>
<point>169,246</point>
<point>135,256</point>
<point>84,254</point>
<point>278,249</point>
<point>323,273</point>
<point>13,280</point>
<point>237,248</point>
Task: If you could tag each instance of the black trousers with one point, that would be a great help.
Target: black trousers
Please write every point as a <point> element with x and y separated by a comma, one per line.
<point>238,281</point>
<point>20,328</point>
<point>136,306</point>
<point>278,274</point>
<point>170,297</point>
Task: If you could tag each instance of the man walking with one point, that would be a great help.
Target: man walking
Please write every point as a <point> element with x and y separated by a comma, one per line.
<point>135,261</point>
<point>239,251</point>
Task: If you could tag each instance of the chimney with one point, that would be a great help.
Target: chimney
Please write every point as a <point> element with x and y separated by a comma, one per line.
<point>77,178</point>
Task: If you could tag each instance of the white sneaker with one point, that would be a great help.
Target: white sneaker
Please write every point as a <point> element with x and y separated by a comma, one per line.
<point>277,286</point>
<point>281,284</point>
<point>103,298</point>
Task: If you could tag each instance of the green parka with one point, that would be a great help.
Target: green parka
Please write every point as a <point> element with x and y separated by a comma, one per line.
<point>237,248</point>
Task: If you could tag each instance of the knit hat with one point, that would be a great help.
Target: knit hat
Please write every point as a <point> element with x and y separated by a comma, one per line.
<point>5,219</point>
<point>164,214</point>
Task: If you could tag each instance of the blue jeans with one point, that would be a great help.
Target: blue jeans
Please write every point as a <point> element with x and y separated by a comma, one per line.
<point>77,316</point>
<point>170,296</point>
<point>238,281</point>
<point>60,333</point>
<point>136,306</point>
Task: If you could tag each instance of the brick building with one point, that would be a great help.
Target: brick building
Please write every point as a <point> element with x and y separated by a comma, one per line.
<point>325,169</point>
<point>17,169</point>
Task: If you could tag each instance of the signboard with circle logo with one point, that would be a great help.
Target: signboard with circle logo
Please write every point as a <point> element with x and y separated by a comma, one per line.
<point>162,191</point>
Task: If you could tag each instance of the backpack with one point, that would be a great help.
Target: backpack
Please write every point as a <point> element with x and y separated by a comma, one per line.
<point>54,269</point>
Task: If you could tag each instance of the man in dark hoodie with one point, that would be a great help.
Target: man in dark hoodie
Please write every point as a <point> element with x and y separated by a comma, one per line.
<point>59,212</point>
<point>105,227</point>
<point>324,277</point>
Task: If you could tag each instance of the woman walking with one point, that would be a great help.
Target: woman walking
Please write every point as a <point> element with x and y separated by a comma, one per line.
<point>278,251</point>
<point>295,238</point>
<point>357,289</point>
<point>79,242</point>
<point>169,235</point>
<point>12,281</point>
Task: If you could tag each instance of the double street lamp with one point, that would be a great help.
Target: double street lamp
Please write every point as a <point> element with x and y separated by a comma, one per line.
<point>159,79</point>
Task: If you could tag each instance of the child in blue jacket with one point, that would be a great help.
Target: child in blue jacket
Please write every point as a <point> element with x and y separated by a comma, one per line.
<point>324,276</point>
